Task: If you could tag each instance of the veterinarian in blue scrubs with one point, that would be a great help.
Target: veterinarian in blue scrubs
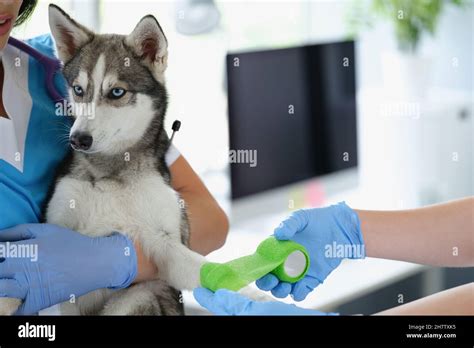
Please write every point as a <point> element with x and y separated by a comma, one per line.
<point>61,264</point>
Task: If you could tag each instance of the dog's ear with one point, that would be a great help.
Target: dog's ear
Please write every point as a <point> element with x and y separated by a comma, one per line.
<point>68,34</point>
<point>149,43</point>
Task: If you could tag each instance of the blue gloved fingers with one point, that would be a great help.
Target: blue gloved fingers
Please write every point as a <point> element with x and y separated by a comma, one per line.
<point>123,250</point>
<point>271,283</point>
<point>53,272</point>
<point>294,224</point>
<point>282,290</point>
<point>205,298</point>
<point>11,288</point>
<point>300,292</point>
<point>302,288</point>
<point>225,302</point>
<point>267,282</point>
<point>231,302</point>
<point>222,302</point>
<point>16,233</point>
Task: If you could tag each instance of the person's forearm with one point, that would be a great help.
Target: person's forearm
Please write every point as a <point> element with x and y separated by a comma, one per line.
<point>208,224</point>
<point>455,301</point>
<point>146,269</point>
<point>440,235</point>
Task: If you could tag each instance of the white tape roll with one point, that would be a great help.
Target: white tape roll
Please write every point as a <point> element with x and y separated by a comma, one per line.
<point>295,264</point>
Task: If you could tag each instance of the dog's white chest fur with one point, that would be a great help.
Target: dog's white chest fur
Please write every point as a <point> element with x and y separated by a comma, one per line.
<point>143,203</point>
<point>141,206</point>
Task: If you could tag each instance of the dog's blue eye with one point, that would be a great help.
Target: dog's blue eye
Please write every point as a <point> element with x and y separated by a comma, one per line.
<point>78,90</point>
<point>117,93</point>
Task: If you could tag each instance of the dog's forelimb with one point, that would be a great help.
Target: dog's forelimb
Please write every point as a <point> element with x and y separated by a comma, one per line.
<point>177,265</point>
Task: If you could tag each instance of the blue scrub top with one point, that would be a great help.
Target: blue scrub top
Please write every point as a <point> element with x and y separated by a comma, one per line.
<point>22,194</point>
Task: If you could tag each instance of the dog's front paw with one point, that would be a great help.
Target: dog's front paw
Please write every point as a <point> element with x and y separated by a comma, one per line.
<point>8,306</point>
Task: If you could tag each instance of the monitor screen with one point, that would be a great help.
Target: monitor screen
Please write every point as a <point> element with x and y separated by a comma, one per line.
<point>292,112</point>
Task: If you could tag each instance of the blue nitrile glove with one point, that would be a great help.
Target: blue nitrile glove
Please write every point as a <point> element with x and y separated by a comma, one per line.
<point>68,264</point>
<point>329,234</point>
<point>225,302</point>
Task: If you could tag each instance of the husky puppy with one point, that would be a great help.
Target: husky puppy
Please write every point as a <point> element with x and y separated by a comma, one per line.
<point>117,176</point>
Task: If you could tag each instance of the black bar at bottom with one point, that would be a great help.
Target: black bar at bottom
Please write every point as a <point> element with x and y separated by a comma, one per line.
<point>414,330</point>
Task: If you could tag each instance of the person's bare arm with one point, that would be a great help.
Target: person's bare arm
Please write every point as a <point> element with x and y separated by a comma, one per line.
<point>455,301</point>
<point>439,235</point>
<point>208,223</point>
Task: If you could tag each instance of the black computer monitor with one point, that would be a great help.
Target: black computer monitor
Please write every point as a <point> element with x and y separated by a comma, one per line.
<point>297,108</point>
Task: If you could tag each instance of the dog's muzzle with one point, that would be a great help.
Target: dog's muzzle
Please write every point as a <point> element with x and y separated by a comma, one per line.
<point>81,141</point>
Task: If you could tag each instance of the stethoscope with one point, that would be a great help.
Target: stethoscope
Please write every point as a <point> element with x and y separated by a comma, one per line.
<point>51,67</point>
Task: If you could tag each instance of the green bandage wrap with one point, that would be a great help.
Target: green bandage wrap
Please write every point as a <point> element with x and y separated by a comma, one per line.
<point>271,257</point>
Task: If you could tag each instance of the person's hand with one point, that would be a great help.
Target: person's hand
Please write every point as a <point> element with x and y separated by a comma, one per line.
<point>58,264</point>
<point>329,234</point>
<point>225,302</point>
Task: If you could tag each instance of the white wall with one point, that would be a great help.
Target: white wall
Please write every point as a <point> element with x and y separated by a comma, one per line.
<point>453,39</point>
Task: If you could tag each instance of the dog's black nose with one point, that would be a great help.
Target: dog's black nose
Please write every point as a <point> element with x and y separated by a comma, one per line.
<point>81,141</point>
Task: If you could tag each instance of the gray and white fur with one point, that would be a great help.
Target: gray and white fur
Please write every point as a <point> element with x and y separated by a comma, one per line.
<point>117,179</point>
